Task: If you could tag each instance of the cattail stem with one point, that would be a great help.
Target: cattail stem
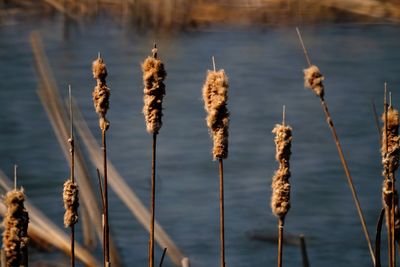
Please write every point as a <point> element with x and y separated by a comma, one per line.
<point>72,172</point>
<point>341,156</point>
<point>281,223</point>
<point>221,212</point>
<point>389,206</point>
<point>153,204</point>
<point>349,178</point>
<point>106,225</point>
<point>102,208</point>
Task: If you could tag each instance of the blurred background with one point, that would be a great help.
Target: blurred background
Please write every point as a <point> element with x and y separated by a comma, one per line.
<point>356,45</point>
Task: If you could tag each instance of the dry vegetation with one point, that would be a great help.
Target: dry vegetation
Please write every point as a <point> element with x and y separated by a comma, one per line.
<point>185,14</point>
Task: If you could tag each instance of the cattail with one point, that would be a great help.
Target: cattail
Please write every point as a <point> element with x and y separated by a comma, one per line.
<point>71,203</point>
<point>15,235</point>
<point>390,144</point>
<point>101,97</point>
<point>313,80</point>
<point>101,93</point>
<point>154,90</point>
<point>280,200</point>
<point>215,95</point>
<point>390,161</point>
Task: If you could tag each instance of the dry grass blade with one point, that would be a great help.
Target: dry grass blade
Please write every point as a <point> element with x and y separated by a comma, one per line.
<point>51,100</point>
<point>47,230</point>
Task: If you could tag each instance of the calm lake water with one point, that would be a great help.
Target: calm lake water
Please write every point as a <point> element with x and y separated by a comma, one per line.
<point>265,71</point>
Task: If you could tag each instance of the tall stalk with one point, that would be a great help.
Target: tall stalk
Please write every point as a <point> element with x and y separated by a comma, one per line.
<point>101,95</point>
<point>215,96</point>
<point>280,199</point>
<point>71,191</point>
<point>72,172</point>
<point>221,212</point>
<point>390,161</point>
<point>313,80</point>
<point>154,90</point>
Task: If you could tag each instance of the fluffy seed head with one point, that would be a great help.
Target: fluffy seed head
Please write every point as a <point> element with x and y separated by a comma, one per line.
<point>154,90</point>
<point>15,235</point>
<point>280,200</point>
<point>313,80</point>
<point>215,96</point>
<point>390,154</point>
<point>99,69</point>
<point>101,93</point>
<point>71,203</point>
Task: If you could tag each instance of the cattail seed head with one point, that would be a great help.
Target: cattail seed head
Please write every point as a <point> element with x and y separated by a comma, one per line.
<point>154,75</point>
<point>390,153</point>
<point>387,202</point>
<point>313,80</point>
<point>101,93</point>
<point>280,200</point>
<point>71,203</point>
<point>215,96</point>
<point>99,70</point>
<point>15,235</point>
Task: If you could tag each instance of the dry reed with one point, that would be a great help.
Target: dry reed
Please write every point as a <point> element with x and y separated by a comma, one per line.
<point>101,95</point>
<point>15,235</point>
<point>52,102</point>
<point>390,142</point>
<point>154,90</point>
<point>215,96</point>
<point>313,80</point>
<point>390,161</point>
<point>280,200</point>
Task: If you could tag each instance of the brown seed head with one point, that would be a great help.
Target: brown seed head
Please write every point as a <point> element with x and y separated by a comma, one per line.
<point>215,96</point>
<point>71,203</point>
<point>390,160</point>
<point>280,200</point>
<point>154,90</point>
<point>15,235</point>
<point>99,69</point>
<point>101,93</point>
<point>313,80</point>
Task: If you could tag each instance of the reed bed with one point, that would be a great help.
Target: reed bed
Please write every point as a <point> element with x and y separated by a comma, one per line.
<point>53,105</point>
<point>41,226</point>
<point>215,96</point>
<point>175,15</point>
